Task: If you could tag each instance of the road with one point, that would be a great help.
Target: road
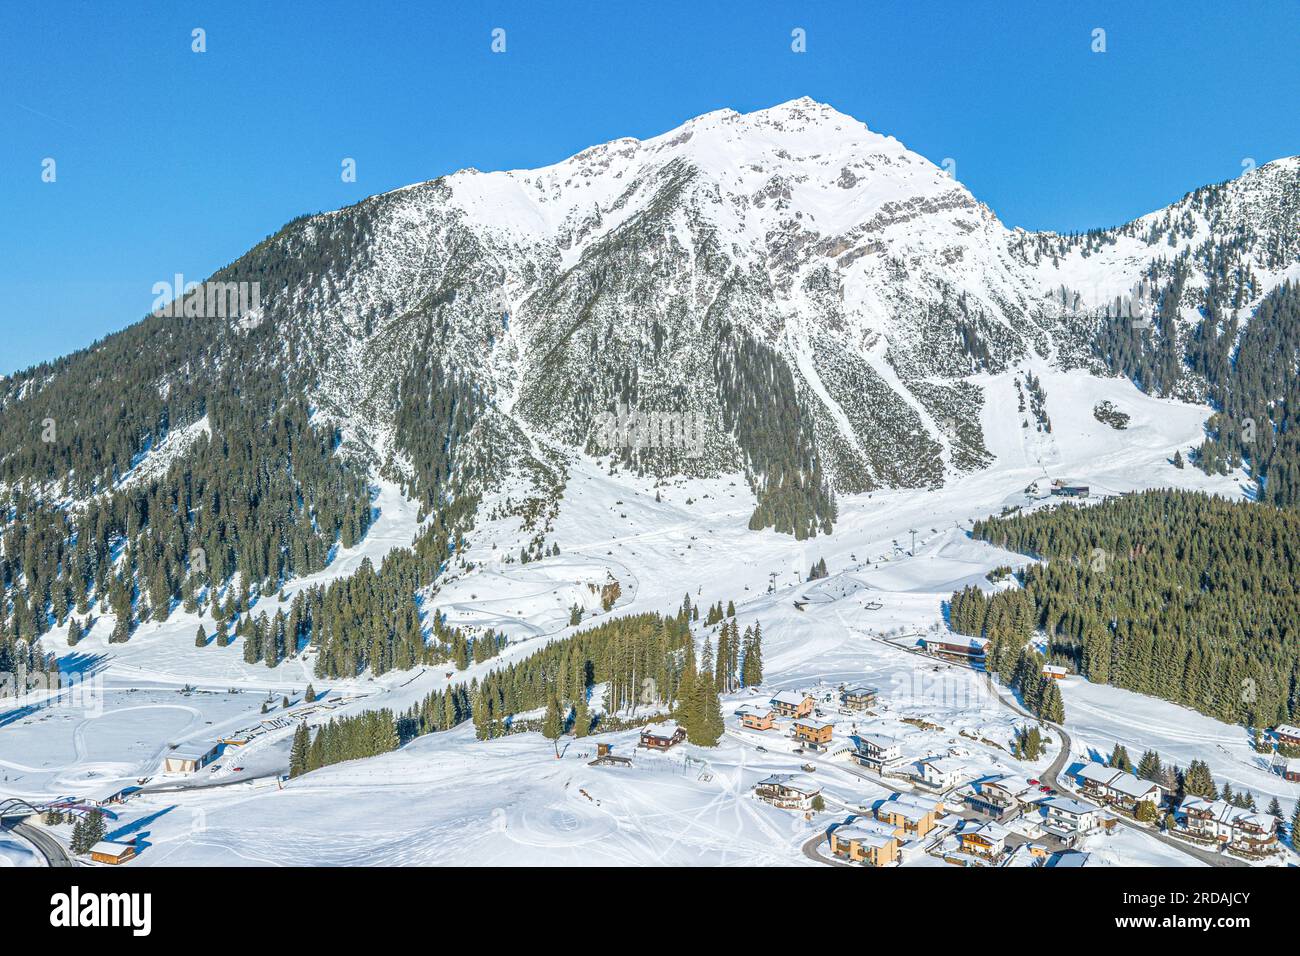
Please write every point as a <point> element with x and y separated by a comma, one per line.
<point>46,845</point>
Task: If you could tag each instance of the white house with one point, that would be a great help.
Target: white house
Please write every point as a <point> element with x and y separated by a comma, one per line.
<point>789,791</point>
<point>942,773</point>
<point>1070,818</point>
<point>878,752</point>
<point>1111,785</point>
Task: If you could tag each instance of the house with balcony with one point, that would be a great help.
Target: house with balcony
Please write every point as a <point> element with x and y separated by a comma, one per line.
<point>1116,787</point>
<point>1246,831</point>
<point>792,703</point>
<point>1287,735</point>
<point>788,791</point>
<point>988,841</point>
<point>879,753</point>
<point>914,821</point>
<point>1070,819</point>
<point>859,698</point>
<point>813,732</point>
<point>757,717</point>
<point>1002,798</point>
<point>867,841</point>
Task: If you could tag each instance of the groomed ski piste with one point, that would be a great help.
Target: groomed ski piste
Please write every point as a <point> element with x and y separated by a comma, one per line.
<point>449,799</point>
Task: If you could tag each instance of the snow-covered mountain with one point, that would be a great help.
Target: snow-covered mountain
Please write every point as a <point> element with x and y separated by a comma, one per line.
<point>788,266</point>
<point>815,296</point>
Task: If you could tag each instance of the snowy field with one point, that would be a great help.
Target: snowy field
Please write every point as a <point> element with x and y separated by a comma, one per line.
<point>450,799</point>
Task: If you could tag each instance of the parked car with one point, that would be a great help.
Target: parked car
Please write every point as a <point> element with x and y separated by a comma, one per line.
<point>1034,783</point>
<point>761,749</point>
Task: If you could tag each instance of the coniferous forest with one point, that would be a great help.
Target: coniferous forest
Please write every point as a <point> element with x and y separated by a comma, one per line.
<point>1174,594</point>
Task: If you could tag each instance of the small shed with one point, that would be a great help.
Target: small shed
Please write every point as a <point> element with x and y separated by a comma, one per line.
<point>112,853</point>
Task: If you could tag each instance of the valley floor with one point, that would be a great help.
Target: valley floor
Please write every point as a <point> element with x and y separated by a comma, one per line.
<point>448,798</point>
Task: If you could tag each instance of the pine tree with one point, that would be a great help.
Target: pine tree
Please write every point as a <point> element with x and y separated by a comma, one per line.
<point>553,723</point>
<point>1119,758</point>
<point>298,752</point>
<point>201,638</point>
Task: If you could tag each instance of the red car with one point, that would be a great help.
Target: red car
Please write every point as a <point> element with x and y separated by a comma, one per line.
<point>1033,783</point>
<point>236,769</point>
<point>1043,789</point>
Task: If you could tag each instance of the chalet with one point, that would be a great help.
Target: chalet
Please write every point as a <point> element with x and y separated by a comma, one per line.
<point>956,647</point>
<point>942,773</point>
<point>111,853</point>
<point>1054,672</point>
<point>1001,799</point>
<point>1287,735</point>
<point>859,698</point>
<point>757,718</point>
<point>912,820</point>
<point>869,841</point>
<point>790,703</point>
<point>986,840</point>
<point>1068,818</point>
<point>662,736</point>
<point>813,732</point>
<point>1240,829</point>
<point>1070,859</point>
<point>1114,786</point>
<point>1069,489</point>
<point>789,791</point>
<point>878,753</point>
<point>188,758</point>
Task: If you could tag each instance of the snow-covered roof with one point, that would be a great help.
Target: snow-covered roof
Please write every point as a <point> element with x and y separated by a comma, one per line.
<point>1054,669</point>
<point>110,849</point>
<point>1131,786</point>
<point>791,697</point>
<point>957,640</point>
<point>813,723</point>
<point>1286,730</point>
<point>990,831</point>
<point>917,800</point>
<point>1224,812</point>
<point>905,810</point>
<point>1065,805</point>
<point>1097,773</point>
<point>878,741</point>
<point>666,730</point>
<point>856,834</point>
<point>192,751</point>
<point>861,691</point>
<point>944,764</point>
<point>1071,858</point>
<point>797,782</point>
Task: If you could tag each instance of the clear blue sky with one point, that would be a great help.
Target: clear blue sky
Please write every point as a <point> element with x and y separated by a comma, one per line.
<point>172,161</point>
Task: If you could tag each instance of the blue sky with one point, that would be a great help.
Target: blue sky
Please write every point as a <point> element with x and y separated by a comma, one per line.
<point>174,161</point>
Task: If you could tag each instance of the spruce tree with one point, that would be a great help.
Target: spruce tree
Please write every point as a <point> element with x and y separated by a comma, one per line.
<point>298,752</point>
